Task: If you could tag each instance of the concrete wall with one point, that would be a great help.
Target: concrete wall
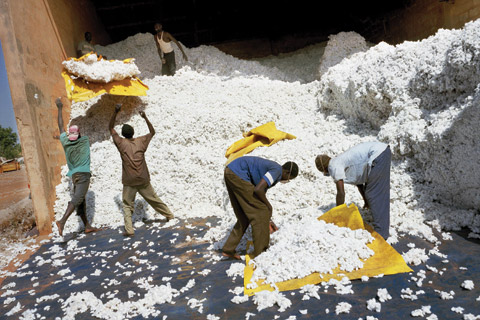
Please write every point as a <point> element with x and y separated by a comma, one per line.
<point>36,36</point>
<point>422,18</point>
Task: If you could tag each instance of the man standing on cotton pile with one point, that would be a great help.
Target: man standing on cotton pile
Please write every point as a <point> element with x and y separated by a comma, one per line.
<point>135,175</point>
<point>247,180</point>
<point>77,153</point>
<point>163,40</point>
<point>366,165</point>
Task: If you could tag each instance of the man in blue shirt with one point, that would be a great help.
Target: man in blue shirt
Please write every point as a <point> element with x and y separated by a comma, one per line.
<point>366,165</point>
<point>247,180</point>
<point>77,153</point>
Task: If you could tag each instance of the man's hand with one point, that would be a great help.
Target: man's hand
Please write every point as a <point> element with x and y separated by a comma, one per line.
<point>118,106</point>
<point>273,227</point>
<point>59,103</point>
<point>142,114</point>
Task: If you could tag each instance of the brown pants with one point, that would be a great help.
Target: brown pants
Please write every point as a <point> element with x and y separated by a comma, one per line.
<point>248,210</point>
<point>147,192</point>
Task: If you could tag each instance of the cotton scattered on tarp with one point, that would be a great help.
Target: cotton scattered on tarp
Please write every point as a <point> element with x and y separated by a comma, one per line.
<point>78,89</point>
<point>264,135</point>
<point>385,261</point>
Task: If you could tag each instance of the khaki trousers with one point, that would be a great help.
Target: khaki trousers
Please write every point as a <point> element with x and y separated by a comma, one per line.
<point>147,192</point>
<point>248,210</point>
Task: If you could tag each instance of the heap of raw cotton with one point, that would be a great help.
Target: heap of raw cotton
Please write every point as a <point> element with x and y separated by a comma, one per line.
<point>198,115</point>
<point>339,47</point>
<point>301,248</point>
<point>423,97</point>
<point>99,70</point>
<point>209,60</point>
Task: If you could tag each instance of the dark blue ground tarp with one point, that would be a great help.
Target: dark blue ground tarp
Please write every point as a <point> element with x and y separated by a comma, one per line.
<point>149,254</point>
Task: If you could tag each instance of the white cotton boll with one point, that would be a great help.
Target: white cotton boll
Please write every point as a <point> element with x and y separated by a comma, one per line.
<point>195,303</point>
<point>94,70</point>
<point>14,310</point>
<point>457,309</point>
<point>343,307</point>
<point>310,290</point>
<point>373,304</point>
<point>212,317</point>
<point>365,278</point>
<point>236,269</point>
<point>446,295</point>
<point>424,311</point>
<point>383,295</point>
<point>468,284</point>
<point>248,315</point>
<point>239,299</point>
<point>415,256</point>
<point>305,311</point>
<point>266,299</point>
<point>371,318</point>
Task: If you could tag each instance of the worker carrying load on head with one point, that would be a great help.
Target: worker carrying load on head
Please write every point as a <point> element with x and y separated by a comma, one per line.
<point>248,179</point>
<point>135,175</point>
<point>163,40</point>
<point>366,165</point>
<point>77,153</point>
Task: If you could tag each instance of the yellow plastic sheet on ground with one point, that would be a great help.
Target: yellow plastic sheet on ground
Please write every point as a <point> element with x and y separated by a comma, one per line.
<point>80,90</point>
<point>264,135</point>
<point>386,260</point>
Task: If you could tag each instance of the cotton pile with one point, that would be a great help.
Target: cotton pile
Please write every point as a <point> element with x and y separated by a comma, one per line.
<point>99,70</point>
<point>419,97</point>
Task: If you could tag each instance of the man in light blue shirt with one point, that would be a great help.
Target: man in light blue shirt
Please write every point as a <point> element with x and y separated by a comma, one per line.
<point>247,180</point>
<point>366,165</point>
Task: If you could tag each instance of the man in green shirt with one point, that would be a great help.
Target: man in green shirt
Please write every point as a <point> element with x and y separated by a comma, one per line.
<point>77,153</point>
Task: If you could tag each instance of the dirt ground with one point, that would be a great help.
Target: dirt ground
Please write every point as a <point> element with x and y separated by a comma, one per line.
<point>13,187</point>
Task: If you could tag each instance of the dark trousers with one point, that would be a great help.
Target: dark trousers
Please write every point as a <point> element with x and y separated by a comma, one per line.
<point>169,67</point>
<point>81,182</point>
<point>248,210</point>
<point>377,192</point>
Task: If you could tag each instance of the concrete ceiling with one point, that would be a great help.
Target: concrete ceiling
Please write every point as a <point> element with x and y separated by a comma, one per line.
<point>196,22</point>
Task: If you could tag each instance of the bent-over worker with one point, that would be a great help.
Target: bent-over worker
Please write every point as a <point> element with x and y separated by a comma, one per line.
<point>366,165</point>
<point>248,179</point>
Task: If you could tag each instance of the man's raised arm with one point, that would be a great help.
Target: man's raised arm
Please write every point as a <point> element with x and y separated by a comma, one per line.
<point>59,104</point>
<point>111,124</point>
<point>150,127</point>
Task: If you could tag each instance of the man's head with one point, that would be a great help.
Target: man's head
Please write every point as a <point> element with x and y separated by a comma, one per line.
<point>127,131</point>
<point>88,36</point>
<point>158,27</point>
<point>289,171</point>
<point>73,133</point>
<point>322,161</point>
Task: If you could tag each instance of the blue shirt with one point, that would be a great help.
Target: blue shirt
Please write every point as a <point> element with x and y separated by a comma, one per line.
<point>353,166</point>
<point>77,153</point>
<point>254,169</point>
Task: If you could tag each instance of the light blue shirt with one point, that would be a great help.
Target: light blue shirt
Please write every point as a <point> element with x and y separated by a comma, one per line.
<point>353,166</point>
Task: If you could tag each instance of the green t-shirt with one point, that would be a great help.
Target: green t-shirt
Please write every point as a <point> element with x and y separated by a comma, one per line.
<point>77,153</point>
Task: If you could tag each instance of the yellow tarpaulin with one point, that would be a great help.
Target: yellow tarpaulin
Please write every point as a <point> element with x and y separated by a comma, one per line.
<point>80,90</point>
<point>264,135</point>
<point>386,260</point>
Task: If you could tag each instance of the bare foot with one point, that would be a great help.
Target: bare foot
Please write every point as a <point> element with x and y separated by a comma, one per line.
<point>88,230</point>
<point>232,256</point>
<point>60,228</point>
